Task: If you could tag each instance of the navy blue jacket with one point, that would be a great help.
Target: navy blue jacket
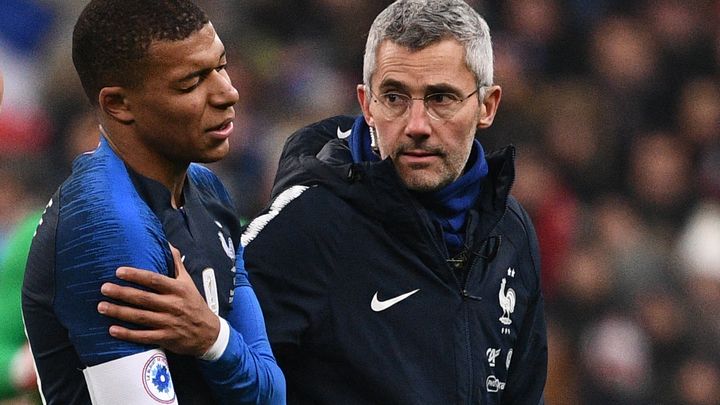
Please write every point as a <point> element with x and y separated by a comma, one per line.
<point>363,306</point>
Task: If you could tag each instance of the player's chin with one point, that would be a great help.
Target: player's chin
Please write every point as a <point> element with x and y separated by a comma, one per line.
<point>421,183</point>
<point>214,153</point>
<point>426,179</point>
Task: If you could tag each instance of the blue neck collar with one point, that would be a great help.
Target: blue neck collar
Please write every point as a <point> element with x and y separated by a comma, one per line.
<point>449,206</point>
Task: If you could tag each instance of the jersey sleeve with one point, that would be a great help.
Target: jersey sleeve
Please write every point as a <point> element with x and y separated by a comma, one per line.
<point>95,223</point>
<point>103,224</point>
<point>247,371</point>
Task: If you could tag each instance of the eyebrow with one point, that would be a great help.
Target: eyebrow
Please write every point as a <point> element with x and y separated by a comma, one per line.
<point>431,89</point>
<point>392,84</point>
<point>201,72</point>
<point>443,88</point>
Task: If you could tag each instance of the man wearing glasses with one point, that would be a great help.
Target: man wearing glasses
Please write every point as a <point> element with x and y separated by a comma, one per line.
<point>393,266</point>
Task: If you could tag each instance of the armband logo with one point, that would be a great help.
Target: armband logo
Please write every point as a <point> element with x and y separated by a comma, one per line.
<point>157,381</point>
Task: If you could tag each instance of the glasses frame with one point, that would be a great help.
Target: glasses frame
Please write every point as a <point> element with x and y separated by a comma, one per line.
<point>409,101</point>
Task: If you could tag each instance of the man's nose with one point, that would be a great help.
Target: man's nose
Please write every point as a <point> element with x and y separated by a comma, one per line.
<point>224,94</point>
<point>418,120</point>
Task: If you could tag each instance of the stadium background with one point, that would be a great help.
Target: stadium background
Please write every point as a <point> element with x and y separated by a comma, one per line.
<point>614,106</point>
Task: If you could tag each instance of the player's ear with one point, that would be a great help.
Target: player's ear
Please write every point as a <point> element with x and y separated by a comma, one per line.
<point>364,98</point>
<point>488,106</point>
<point>113,102</point>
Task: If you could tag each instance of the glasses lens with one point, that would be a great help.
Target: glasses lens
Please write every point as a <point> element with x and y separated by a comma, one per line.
<point>394,105</point>
<point>442,105</point>
<point>439,106</point>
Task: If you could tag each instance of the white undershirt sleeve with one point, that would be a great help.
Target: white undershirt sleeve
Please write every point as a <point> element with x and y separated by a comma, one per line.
<point>218,348</point>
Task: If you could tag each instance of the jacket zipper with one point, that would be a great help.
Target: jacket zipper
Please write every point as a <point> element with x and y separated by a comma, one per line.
<point>467,264</point>
<point>464,253</point>
<point>443,253</point>
<point>462,262</point>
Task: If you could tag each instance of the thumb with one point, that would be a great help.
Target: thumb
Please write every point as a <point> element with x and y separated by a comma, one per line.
<point>180,270</point>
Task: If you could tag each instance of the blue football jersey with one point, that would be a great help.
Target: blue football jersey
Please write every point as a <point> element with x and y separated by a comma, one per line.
<point>102,217</point>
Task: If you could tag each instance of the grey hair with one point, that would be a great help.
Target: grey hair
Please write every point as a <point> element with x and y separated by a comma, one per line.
<point>416,24</point>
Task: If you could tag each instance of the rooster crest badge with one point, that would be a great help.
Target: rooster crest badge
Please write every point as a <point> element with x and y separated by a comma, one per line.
<point>507,302</point>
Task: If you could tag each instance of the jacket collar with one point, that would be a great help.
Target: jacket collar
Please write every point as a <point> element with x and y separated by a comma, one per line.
<point>318,154</point>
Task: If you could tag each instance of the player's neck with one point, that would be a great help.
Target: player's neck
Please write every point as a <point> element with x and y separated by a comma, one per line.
<point>177,199</point>
<point>170,174</point>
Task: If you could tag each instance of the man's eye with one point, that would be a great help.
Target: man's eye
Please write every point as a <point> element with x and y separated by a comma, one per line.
<point>441,98</point>
<point>393,99</point>
<point>191,87</point>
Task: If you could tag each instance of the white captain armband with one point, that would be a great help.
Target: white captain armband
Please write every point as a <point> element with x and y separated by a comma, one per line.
<point>218,348</point>
<point>143,378</point>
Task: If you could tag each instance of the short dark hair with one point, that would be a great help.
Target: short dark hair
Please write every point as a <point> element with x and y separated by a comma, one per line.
<point>111,38</point>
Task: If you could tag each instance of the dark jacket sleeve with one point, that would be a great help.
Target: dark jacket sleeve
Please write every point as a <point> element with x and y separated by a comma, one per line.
<point>307,141</point>
<point>290,285</point>
<point>528,374</point>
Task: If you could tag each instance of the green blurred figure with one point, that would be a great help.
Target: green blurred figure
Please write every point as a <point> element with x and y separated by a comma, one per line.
<point>17,374</point>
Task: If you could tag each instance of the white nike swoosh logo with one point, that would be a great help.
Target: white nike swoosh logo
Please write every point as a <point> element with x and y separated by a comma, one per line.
<point>377,305</point>
<point>343,134</point>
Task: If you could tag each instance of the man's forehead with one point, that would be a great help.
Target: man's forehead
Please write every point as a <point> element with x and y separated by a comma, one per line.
<point>444,53</point>
<point>162,47</point>
<point>440,66</point>
<point>199,49</point>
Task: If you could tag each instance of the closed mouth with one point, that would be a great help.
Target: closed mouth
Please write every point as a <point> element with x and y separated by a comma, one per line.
<point>418,153</point>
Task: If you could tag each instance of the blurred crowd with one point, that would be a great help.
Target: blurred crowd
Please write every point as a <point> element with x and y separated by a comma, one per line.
<point>614,107</point>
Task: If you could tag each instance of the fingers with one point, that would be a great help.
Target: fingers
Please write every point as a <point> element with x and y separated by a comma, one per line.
<point>173,314</point>
<point>153,280</point>
<point>148,337</point>
<point>168,339</point>
<point>146,278</point>
<point>177,256</point>
<point>190,331</point>
<point>139,316</point>
<point>180,270</point>
<point>140,298</point>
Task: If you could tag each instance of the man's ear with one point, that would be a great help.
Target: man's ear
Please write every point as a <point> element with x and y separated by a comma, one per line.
<point>489,106</point>
<point>113,102</point>
<point>364,98</point>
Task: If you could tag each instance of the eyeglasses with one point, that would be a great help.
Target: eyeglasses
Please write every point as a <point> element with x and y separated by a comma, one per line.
<point>439,106</point>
